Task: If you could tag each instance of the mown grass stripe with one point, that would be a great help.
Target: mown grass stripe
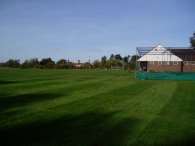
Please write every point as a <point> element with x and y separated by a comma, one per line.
<point>176,117</point>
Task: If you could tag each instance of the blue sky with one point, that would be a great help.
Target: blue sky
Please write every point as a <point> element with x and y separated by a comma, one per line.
<point>90,29</point>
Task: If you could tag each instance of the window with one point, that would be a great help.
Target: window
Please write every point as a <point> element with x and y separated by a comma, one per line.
<point>193,63</point>
<point>159,62</point>
<point>151,62</point>
<point>175,62</point>
<point>185,62</point>
<point>166,63</point>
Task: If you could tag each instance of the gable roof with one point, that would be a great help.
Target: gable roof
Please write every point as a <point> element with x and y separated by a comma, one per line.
<point>159,53</point>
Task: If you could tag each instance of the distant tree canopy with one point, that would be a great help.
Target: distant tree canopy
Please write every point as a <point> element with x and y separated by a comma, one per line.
<point>115,60</point>
<point>133,62</point>
<point>126,59</point>
<point>118,57</point>
<point>104,58</point>
<point>192,41</point>
<point>13,63</point>
<point>31,63</point>
<point>112,56</point>
<point>127,62</point>
<point>97,64</point>
<point>61,62</point>
<point>47,63</point>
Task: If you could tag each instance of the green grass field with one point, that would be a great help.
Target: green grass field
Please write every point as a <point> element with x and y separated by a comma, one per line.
<point>89,108</point>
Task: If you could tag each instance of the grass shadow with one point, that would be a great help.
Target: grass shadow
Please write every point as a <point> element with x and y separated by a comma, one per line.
<point>2,82</point>
<point>91,128</point>
<point>9,101</point>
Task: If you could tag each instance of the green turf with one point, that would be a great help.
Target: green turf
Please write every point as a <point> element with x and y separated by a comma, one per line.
<point>88,107</point>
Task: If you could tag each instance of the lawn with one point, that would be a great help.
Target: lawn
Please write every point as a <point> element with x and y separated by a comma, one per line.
<point>89,107</point>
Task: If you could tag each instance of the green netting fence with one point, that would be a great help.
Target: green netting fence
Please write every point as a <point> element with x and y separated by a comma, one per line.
<point>164,76</point>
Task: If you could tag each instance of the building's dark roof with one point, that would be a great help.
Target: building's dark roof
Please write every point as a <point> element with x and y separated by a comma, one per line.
<point>184,54</point>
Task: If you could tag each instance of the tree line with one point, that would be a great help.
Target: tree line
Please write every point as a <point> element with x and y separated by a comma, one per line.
<point>126,62</point>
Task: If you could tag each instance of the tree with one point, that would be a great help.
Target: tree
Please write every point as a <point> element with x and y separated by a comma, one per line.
<point>112,57</point>
<point>97,64</point>
<point>62,63</point>
<point>108,64</point>
<point>115,62</point>
<point>13,63</point>
<point>103,60</point>
<point>86,65</point>
<point>133,62</point>
<point>118,57</point>
<point>70,65</point>
<point>31,63</point>
<point>126,59</point>
<point>192,41</point>
<point>126,62</point>
<point>47,63</point>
